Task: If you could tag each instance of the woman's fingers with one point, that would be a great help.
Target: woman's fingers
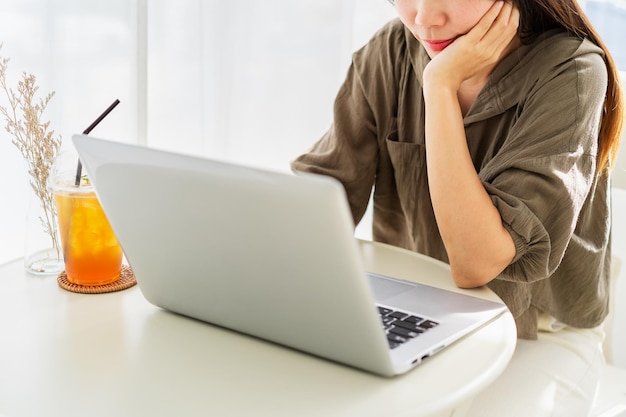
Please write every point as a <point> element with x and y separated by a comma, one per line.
<point>482,28</point>
<point>493,33</point>
<point>505,24</point>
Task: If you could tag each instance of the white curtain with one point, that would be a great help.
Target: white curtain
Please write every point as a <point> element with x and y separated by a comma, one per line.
<point>251,81</point>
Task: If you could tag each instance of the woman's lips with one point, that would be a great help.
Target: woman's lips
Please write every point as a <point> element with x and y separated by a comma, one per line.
<point>437,46</point>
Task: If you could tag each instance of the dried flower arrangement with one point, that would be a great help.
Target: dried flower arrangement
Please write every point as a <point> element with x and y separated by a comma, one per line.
<point>34,139</point>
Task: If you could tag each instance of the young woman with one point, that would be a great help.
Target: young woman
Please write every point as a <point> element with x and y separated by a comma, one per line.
<point>487,131</point>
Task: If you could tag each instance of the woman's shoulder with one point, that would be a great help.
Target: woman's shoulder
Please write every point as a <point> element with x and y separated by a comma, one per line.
<point>557,47</point>
<point>554,55</point>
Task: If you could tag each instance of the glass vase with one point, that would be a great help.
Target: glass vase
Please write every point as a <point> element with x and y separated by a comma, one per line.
<point>42,248</point>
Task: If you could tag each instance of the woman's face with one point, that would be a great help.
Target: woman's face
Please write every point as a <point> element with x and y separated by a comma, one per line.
<point>437,23</point>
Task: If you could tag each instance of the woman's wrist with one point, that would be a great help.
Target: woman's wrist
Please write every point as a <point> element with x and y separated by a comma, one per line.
<point>437,81</point>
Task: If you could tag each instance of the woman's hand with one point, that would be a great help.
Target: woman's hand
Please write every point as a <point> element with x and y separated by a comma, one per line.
<point>477,52</point>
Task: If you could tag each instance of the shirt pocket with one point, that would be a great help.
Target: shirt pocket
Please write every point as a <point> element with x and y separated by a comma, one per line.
<point>408,161</point>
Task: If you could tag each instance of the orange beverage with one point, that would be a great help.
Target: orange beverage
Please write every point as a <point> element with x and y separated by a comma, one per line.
<point>92,254</point>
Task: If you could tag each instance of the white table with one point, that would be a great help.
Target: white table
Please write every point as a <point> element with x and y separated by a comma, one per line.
<point>67,354</point>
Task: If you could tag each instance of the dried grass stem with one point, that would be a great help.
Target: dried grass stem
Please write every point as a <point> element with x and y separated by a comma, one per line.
<point>34,139</point>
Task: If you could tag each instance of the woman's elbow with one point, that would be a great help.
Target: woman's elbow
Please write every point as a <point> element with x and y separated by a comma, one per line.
<point>475,274</point>
<point>464,279</point>
<point>477,267</point>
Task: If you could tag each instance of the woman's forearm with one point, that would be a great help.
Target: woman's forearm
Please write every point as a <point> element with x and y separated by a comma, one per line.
<point>478,245</point>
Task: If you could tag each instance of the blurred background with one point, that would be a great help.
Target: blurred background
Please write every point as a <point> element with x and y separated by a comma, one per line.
<point>248,81</point>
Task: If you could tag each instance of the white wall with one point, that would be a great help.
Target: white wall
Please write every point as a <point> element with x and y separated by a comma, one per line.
<point>618,342</point>
<point>618,345</point>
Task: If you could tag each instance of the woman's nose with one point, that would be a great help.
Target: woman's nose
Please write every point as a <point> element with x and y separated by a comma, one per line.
<point>429,13</point>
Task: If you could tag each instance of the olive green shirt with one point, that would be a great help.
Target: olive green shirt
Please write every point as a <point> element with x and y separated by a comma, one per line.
<point>533,137</point>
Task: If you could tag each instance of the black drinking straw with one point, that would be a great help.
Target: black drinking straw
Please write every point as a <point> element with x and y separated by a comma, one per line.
<point>79,167</point>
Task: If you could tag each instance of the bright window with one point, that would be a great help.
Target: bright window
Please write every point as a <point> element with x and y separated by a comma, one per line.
<point>609,18</point>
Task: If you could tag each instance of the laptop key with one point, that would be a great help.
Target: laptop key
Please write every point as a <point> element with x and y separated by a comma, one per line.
<point>401,327</point>
<point>398,315</point>
<point>396,338</point>
<point>414,319</point>
<point>428,324</point>
<point>393,344</point>
<point>383,311</point>
<point>403,332</point>
<point>409,326</point>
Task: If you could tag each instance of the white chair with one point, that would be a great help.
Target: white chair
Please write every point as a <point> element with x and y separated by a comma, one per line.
<point>611,400</point>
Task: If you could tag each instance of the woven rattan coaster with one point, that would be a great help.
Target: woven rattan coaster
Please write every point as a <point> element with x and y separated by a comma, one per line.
<point>127,280</point>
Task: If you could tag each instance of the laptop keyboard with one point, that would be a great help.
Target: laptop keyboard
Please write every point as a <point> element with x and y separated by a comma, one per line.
<point>401,327</point>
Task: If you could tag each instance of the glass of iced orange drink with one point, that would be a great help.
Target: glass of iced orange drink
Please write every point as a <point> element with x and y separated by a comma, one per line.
<point>91,252</point>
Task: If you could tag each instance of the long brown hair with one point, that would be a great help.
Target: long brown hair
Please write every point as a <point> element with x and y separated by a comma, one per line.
<point>537,16</point>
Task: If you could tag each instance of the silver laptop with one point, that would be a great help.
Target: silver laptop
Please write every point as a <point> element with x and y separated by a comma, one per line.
<point>268,254</point>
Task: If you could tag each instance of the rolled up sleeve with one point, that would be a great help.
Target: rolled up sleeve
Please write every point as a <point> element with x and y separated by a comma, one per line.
<point>543,174</point>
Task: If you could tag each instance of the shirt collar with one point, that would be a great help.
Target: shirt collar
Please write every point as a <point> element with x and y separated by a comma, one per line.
<point>513,77</point>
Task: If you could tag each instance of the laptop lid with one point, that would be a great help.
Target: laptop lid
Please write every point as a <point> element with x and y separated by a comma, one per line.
<point>267,254</point>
